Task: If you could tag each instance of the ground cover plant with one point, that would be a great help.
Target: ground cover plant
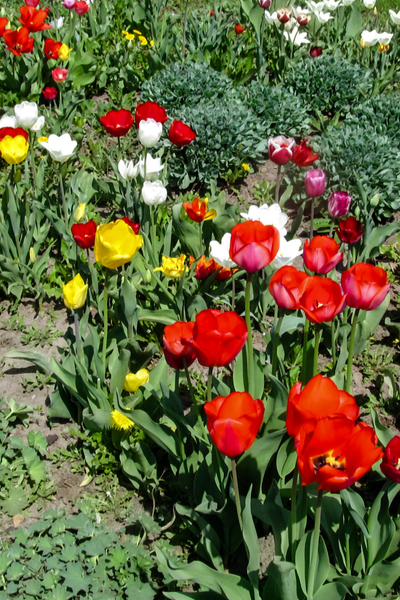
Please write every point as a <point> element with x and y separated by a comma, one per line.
<point>199,281</point>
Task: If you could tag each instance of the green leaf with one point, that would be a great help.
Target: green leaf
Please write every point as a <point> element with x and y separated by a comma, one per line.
<point>252,544</point>
<point>331,591</point>
<point>254,462</point>
<point>281,583</point>
<point>16,501</point>
<point>303,559</point>
<point>384,434</point>
<point>163,436</point>
<point>355,22</point>
<point>381,528</point>
<point>34,357</point>
<point>75,579</point>
<point>378,236</point>
<point>118,371</point>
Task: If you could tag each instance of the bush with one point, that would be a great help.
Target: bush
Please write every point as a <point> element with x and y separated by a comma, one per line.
<point>328,84</point>
<point>381,112</point>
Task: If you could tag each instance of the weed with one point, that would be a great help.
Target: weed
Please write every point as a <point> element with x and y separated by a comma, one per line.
<point>262,192</point>
<point>43,337</point>
<point>40,380</point>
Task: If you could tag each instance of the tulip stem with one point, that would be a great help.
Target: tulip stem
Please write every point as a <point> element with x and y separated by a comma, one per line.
<point>314,547</point>
<point>351,350</point>
<point>64,204</point>
<point>293,529</point>
<point>275,344</point>
<point>233,291</point>
<point>201,238</point>
<point>312,218</point>
<point>32,156</point>
<point>105,320</point>
<point>331,229</point>
<point>193,397</point>
<point>153,230</point>
<point>349,258</point>
<point>317,339</point>
<point>278,184</point>
<point>305,342</point>
<point>333,342</point>
<point>249,335</point>
<point>79,349</point>
<point>209,384</point>
<point>237,496</point>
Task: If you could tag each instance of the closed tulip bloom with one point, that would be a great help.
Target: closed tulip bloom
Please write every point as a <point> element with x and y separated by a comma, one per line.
<point>154,193</point>
<point>149,132</point>
<point>79,212</point>
<point>303,19</point>
<point>64,52</point>
<point>339,204</point>
<point>34,3</point>
<point>390,465</point>
<point>268,215</point>
<point>51,48</point>
<point>132,224</point>
<point>204,268</point>
<point>369,3</point>
<point>320,398</point>
<point>127,169</point>
<point>84,234</point>
<point>50,93</point>
<point>117,122</point>
<point>19,41</point>
<point>81,7</point>
<point>153,167</point>
<point>234,421</point>
<point>321,299</point>
<point>394,17</point>
<point>59,75</point>
<point>69,4</point>
<point>280,149</point>
<point>253,245</point>
<point>150,110</point>
<point>303,155</point>
<point>284,15</point>
<point>181,134</point>
<point>173,268</point>
<point>315,51</point>
<point>115,244</point>
<point>26,114</point>
<point>75,292</point>
<point>60,148</point>
<point>33,19</point>
<point>175,351</point>
<point>369,38</point>
<point>218,337</point>
<point>239,29</point>
<point>197,210</point>
<point>321,254</point>
<point>350,230</point>
<point>366,286</point>
<point>265,4</point>
<point>220,251</point>
<point>314,182</point>
<point>133,381</point>
<point>285,287</point>
<point>13,145</point>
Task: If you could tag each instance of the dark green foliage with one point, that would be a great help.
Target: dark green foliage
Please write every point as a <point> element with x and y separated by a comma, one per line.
<point>381,112</point>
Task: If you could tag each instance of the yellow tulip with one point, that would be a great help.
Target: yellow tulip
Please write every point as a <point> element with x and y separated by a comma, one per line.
<point>14,150</point>
<point>120,421</point>
<point>75,292</point>
<point>63,52</point>
<point>79,212</point>
<point>133,381</point>
<point>43,138</point>
<point>173,267</point>
<point>115,244</point>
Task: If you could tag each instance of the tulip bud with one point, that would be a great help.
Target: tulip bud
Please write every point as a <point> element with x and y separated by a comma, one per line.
<point>265,4</point>
<point>79,213</point>
<point>284,15</point>
<point>357,212</point>
<point>314,182</point>
<point>315,51</point>
<point>32,255</point>
<point>149,132</point>
<point>148,276</point>
<point>374,200</point>
<point>17,176</point>
<point>338,204</point>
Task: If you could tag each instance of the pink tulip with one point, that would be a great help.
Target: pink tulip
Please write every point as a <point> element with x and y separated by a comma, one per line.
<point>338,204</point>
<point>314,182</point>
<point>281,149</point>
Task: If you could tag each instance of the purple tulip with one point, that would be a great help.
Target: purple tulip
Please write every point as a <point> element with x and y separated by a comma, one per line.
<point>314,182</point>
<point>69,4</point>
<point>339,204</point>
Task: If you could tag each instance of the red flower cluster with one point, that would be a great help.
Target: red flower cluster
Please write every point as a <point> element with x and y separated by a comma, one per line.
<point>282,150</point>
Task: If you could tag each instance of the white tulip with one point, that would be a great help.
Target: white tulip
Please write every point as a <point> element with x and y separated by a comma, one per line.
<point>26,114</point>
<point>331,5</point>
<point>60,148</point>
<point>58,23</point>
<point>153,167</point>
<point>287,253</point>
<point>271,18</point>
<point>8,121</point>
<point>370,38</point>
<point>290,24</point>
<point>38,125</point>
<point>296,37</point>
<point>385,38</point>
<point>220,252</point>
<point>127,169</point>
<point>268,215</point>
<point>149,132</point>
<point>154,193</point>
<point>369,3</point>
<point>395,17</point>
<point>298,10</point>
<point>316,6</point>
<point>347,2</point>
<point>323,17</point>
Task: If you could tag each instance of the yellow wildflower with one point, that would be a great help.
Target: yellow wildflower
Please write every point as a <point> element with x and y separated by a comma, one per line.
<point>138,32</point>
<point>173,267</point>
<point>245,166</point>
<point>143,41</point>
<point>120,421</point>
<point>129,36</point>
<point>151,42</point>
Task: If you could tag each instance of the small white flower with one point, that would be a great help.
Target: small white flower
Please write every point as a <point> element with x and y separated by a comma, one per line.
<point>154,193</point>
<point>127,169</point>
<point>268,215</point>
<point>395,17</point>
<point>220,252</point>
<point>316,6</point>
<point>369,3</point>
<point>26,114</point>
<point>8,121</point>
<point>153,167</point>
<point>385,38</point>
<point>287,253</point>
<point>298,10</point>
<point>323,17</point>
<point>58,23</point>
<point>149,132</point>
<point>290,24</point>
<point>296,37</point>
<point>370,38</point>
<point>271,18</point>
<point>331,5</point>
<point>60,148</point>
<point>38,125</point>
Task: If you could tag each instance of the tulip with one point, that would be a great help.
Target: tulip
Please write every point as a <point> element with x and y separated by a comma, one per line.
<point>60,148</point>
<point>75,292</point>
<point>303,155</point>
<point>220,251</point>
<point>320,398</point>
<point>69,4</point>
<point>115,244</point>
<point>281,149</point>
<point>153,167</point>
<point>239,29</point>
<point>265,4</point>
<point>322,17</point>
<point>287,253</point>
<point>395,17</point>
<point>314,182</point>
<point>218,337</point>
<point>285,287</point>
<point>204,268</point>
<point>8,121</point>
<point>52,48</point>
<point>339,204</point>
<point>234,421</point>
<point>19,41</point>
<point>13,145</point>
<point>50,93</point>
<point>253,245</point>
<point>197,210</point>
<point>284,15</point>
<point>80,212</point>
<point>303,19</point>
<point>173,268</point>
<point>149,132</point>
<point>84,234</point>
<point>369,38</point>
<point>350,230</point>
<point>390,465</point>
<point>39,124</point>
<point>3,25</point>
<point>366,286</point>
<point>175,351</point>
<point>127,169</point>
<point>321,299</point>
<point>117,122</point>
<point>154,193</point>
<point>132,224</point>
<point>64,52</point>
<point>268,215</point>
<point>58,23</point>
<point>34,3</point>
<point>335,452</point>
<point>26,114</point>
<point>181,134</point>
<point>271,18</point>
<point>315,51</point>
<point>385,38</point>
<point>296,38</point>
<point>81,7</point>
<point>33,19</point>
<point>321,254</point>
<point>150,110</point>
<point>369,3</point>
<point>59,75</point>
<point>133,381</point>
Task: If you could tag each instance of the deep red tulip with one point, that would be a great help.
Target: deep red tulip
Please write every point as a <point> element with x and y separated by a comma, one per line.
<point>320,398</point>
<point>59,75</point>
<point>335,453</point>
<point>303,19</point>
<point>150,110</point>
<point>239,29</point>
<point>117,122</point>
<point>303,155</point>
<point>265,4</point>
<point>13,132</point>
<point>218,337</point>
<point>84,234</point>
<point>3,25</point>
<point>315,51</point>
<point>314,182</point>
<point>390,465</point>
<point>204,268</point>
<point>321,254</point>
<point>280,149</point>
<point>34,3</point>
<point>32,19</point>
<point>181,134</point>
<point>285,286</point>
<point>284,15</point>
<point>135,226</point>
<point>253,245</point>
<point>50,93</point>
<point>321,299</point>
<point>366,286</point>
<point>81,7</point>
<point>212,13</point>
<point>19,41</point>
<point>350,230</point>
<point>338,204</point>
<point>52,48</point>
<point>233,422</point>
<point>197,210</point>
<point>174,348</point>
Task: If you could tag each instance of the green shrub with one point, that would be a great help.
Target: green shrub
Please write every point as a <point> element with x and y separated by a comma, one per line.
<point>381,112</point>
<point>328,84</point>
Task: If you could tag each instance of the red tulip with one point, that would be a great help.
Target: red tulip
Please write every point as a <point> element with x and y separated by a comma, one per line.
<point>350,230</point>
<point>314,182</point>
<point>218,337</point>
<point>253,245</point>
<point>181,134</point>
<point>174,348</point>
<point>233,422</point>
<point>3,25</point>
<point>239,29</point>
<point>150,110</point>
<point>284,15</point>
<point>285,286</point>
<point>334,452</point>
<point>212,13</point>
<point>50,93</point>
<point>117,122</point>
<point>52,48</point>
<point>197,210</point>
<point>84,234</point>
<point>135,226</point>
<point>19,41</point>
<point>390,465</point>
<point>321,299</point>
<point>303,155</point>
<point>265,4</point>
<point>280,149</point>
<point>303,19</point>
<point>320,398</point>
<point>59,75</point>
<point>13,132</point>
<point>338,204</point>
<point>204,268</point>
<point>33,19</point>
<point>366,286</point>
<point>315,51</point>
<point>321,254</point>
<point>34,3</point>
<point>81,7</point>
